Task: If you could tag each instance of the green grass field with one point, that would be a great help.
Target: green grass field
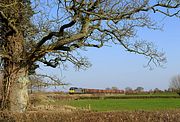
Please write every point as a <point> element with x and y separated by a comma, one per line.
<point>125,104</point>
<point>157,94</point>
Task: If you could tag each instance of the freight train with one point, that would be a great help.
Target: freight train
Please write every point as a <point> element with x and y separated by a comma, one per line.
<point>75,90</point>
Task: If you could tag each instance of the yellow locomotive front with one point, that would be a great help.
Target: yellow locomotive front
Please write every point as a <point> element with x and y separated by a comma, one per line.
<point>72,90</point>
<point>75,90</point>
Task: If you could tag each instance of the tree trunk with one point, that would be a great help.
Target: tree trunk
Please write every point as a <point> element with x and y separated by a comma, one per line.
<point>16,94</point>
<point>15,76</point>
<point>19,95</point>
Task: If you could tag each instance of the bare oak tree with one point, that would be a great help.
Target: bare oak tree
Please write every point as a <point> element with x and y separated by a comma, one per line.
<point>175,84</point>
<point>53,31</point>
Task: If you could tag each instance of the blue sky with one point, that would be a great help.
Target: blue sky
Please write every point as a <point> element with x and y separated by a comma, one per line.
<point>113,66</point>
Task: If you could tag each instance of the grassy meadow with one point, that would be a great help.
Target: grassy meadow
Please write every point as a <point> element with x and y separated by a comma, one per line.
<point>124,104</point>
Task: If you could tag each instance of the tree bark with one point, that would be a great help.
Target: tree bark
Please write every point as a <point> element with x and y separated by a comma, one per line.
<point>15,76</point>
<point>16,92</point>
<point>19,95</point>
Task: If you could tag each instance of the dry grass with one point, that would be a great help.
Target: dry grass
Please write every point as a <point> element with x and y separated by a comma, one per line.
<point>41,102</point>
<point>131,116</point>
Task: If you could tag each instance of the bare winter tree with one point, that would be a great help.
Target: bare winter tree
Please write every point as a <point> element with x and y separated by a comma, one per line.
<point>53,31</point>
<point>175,84</point>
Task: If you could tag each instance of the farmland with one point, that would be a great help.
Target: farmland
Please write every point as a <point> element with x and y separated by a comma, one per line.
<point>115,102</point>
<point>104,108</point>
<point>124,104</point>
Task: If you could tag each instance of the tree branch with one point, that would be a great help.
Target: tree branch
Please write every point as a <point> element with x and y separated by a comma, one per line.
<point>163,6</point>
<point>57,34</point>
